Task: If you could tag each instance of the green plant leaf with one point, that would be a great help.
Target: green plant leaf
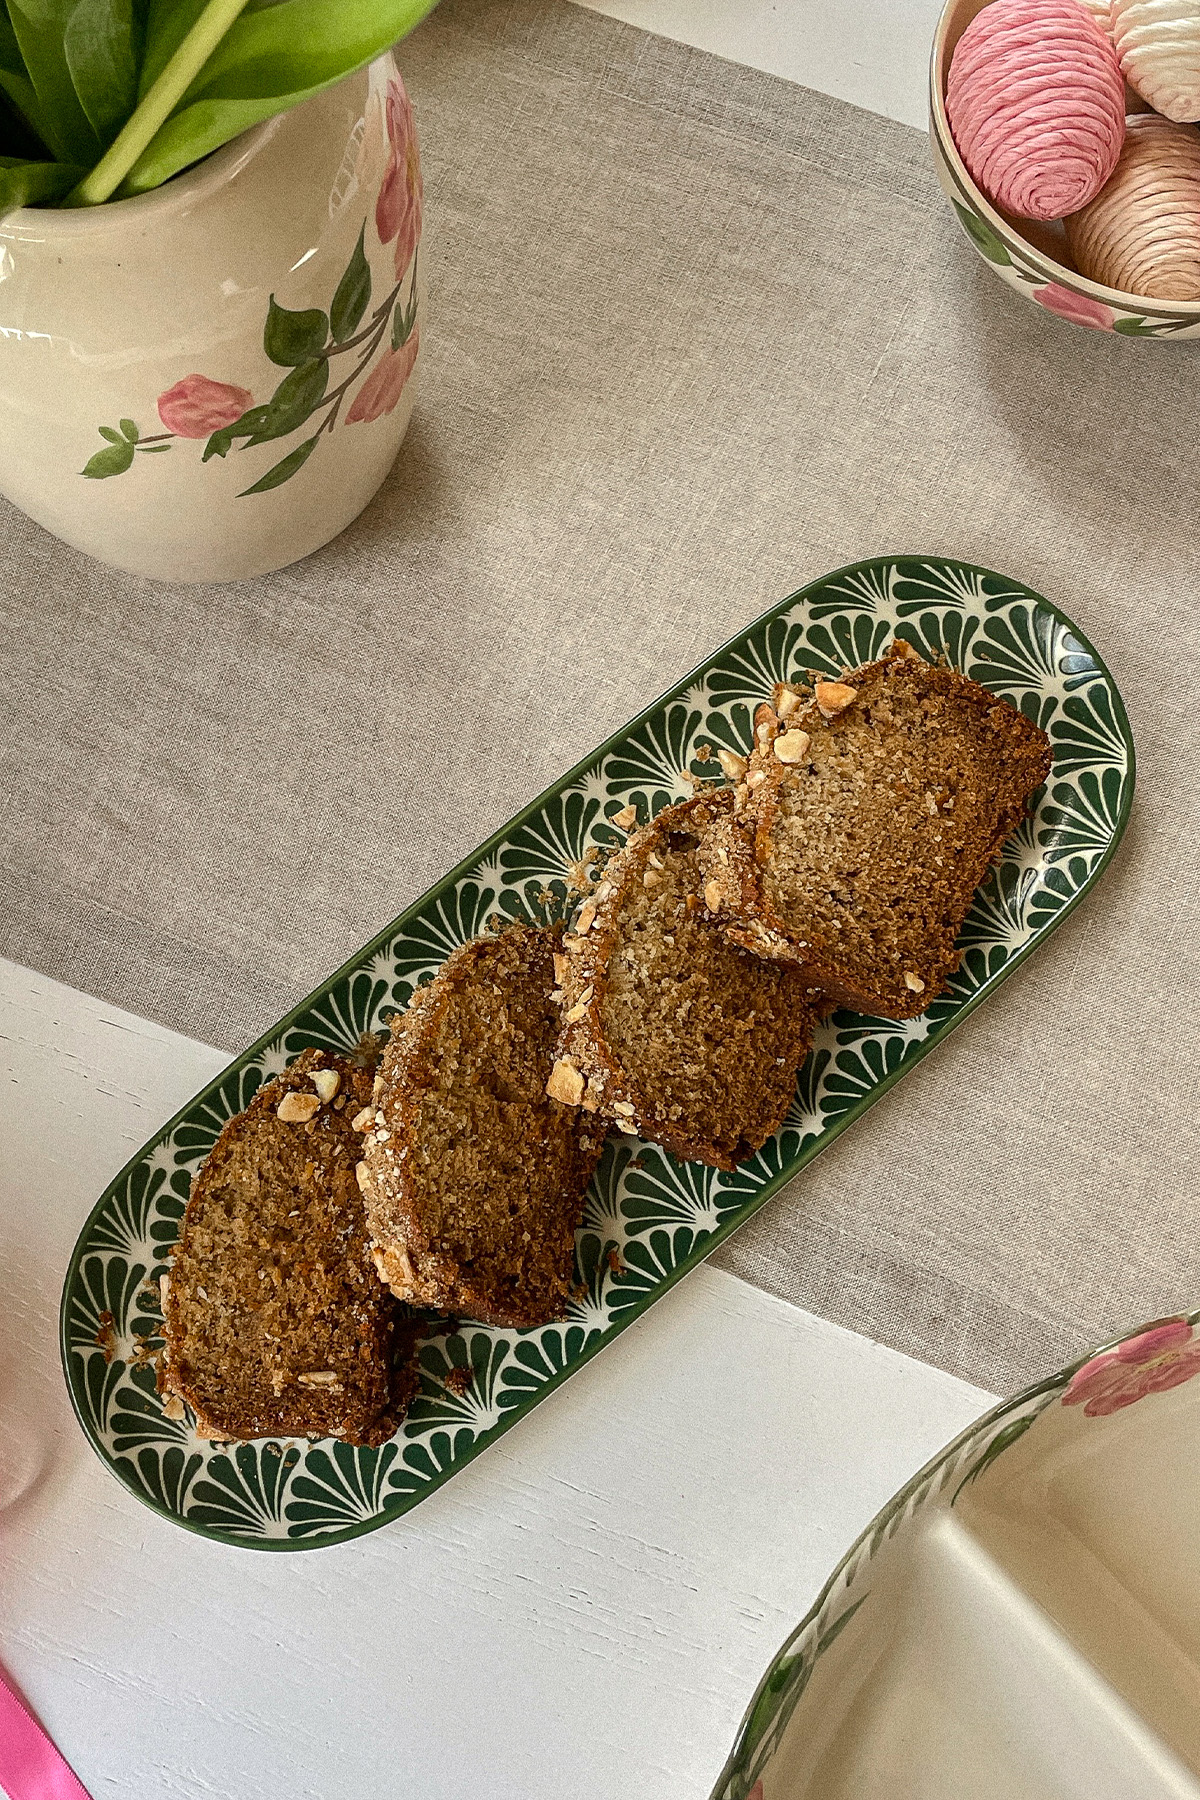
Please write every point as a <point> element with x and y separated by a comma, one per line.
<point>273,57</point>
<point>353,294</point>
<point>102,48</point>
<point>167,24</point>
<point>293,401</point>
<point>290,338</point>
<point>29,183</point>
<point>283,471</point>
<point>113,461</point>
<point>221,442</point>
<point>130,430</point>
<point>40,30</point>
<point>982,235</point>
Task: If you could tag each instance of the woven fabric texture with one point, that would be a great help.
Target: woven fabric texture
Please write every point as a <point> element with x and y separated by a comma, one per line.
<point>695,336</point>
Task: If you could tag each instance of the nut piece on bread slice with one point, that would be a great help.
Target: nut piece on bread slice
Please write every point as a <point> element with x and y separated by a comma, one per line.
<point>867,816</point>
<point>473,1177</point>
<point>277,1324</point>
<point>669,1030</point>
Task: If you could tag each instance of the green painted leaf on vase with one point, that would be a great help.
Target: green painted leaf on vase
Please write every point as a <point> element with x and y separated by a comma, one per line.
<point>130,430</point>
<point>293,401</point>
<point>283,471</point>
<point>353,295</point>
<point>982,235</point>
<point>291,338</point>
<point>113,461</point>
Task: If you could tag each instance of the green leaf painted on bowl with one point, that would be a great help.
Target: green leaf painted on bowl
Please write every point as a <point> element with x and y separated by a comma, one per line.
<point>290,338</point>
<point>283,471</point>
<point>113,461</point>
<point>101,45</point>
<point>353,294</point>
<point>981,235</point>
<point>1004,1438</point>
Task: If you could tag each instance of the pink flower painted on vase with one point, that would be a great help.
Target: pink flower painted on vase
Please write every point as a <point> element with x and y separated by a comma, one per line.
<point>756,1792</point>
<point>1076,307</point>
<point>1163,1356</point>
<point>380,392</point>
<point>400,206</point>
<point>196,406</point>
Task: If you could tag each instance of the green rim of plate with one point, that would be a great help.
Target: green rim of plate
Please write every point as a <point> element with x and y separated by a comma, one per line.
<point>649,1219</point>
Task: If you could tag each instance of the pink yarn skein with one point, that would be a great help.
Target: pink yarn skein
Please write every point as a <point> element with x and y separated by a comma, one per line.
<point>1036,102</point>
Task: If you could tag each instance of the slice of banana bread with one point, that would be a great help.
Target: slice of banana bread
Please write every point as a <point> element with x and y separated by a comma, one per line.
<point>473,1178</point>
<point>867,816</point>
<point>670,1030</point>
<point>277,1324</point>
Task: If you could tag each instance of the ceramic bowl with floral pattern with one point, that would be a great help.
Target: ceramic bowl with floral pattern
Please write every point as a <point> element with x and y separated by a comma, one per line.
<point>1030,257</point>
<point>1022,1621</point>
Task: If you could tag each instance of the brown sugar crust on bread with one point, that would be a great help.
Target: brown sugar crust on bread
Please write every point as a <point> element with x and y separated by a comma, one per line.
<point>669,1030</point>
<point>474,1179</point>
<point>277,1324</point>
<point>868,815</point>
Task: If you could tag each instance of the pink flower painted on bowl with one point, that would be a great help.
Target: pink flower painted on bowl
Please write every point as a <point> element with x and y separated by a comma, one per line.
<point>756,1792</point>
<point>1163,1356</point>
<point>380,392</point>
<point>399,208</point>
<point>1076,307</point>
<point>196,406</point>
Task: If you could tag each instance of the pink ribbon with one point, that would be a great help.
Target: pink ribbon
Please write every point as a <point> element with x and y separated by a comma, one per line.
<point>30,1766</point>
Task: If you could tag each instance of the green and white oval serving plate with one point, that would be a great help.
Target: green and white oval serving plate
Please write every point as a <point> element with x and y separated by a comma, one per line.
<point>1022,1621</point>
<point>648,1218</point>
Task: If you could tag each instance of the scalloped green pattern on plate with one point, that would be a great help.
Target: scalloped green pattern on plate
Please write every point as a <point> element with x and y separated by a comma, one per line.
<point>648,1218</point>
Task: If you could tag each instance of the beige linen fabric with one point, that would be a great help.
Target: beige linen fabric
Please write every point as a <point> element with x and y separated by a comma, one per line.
<point>695,336</point>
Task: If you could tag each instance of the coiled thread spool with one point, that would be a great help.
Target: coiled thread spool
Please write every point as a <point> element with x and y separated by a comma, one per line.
<point>1036,103</point>
<point>1142,233</point>
<point>1158,43</point>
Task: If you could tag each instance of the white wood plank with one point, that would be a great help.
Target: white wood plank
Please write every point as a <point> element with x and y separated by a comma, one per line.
<point>874,53</point>
<point>583,1612</point>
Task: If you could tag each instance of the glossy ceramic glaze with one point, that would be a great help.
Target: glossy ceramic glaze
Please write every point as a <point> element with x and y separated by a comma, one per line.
<point>1030,258</point>
<point>648,1219</point>
<point>1022,1622</point>
<point>132,333</point>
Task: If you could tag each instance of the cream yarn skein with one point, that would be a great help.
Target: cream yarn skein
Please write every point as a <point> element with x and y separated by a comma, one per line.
<point>1158,44</point>
<point>1141,233</point>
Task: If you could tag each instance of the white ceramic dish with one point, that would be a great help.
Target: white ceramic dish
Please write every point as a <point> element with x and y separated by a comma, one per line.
<point>1022,1621</point>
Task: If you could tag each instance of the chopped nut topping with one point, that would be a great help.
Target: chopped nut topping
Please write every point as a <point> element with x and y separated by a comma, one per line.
<point>561,965</point>
<point>913,982</point>
<point>766,724</point>
<point>656,862</point>
<point>626,819</point>
<point>623,1107</point>
<point>326,1081</point>
<point>792,746</point>
<point>363,1177</point>
<point>319,1378</point>
<point>377,1087</point>
<point>833,697</point>
<point>164,1286</point>
<point>733,765</point>
<point>172,1407</point>
<point>756,780</point>
<point>565,1083</point>
<point>712,896</point>
<point>296,1109</point>
<point>650,879</point>
<point>787,701</point>
<point>903,649</point>
<point>580,1006</point>
<point>586,915</point>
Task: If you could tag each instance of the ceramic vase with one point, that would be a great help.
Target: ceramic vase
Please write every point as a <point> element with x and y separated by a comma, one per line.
<point>209,381</point>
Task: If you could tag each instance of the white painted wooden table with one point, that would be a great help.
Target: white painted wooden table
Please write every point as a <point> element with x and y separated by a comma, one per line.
<point>584,1611</point>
